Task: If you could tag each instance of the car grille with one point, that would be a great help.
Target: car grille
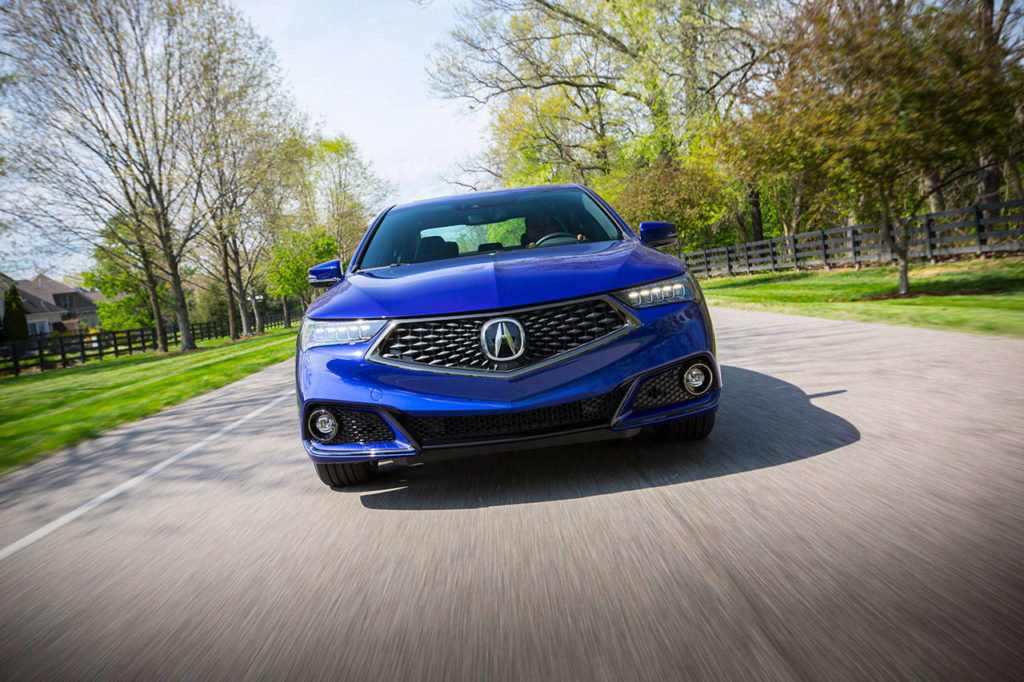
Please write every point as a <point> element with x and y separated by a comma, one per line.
<point>355,426</point>
<point>663,389</point>
<point>566,417</point>
<point>454,342</point>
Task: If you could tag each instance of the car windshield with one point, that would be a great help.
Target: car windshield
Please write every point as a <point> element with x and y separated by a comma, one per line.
<point>471,224</point>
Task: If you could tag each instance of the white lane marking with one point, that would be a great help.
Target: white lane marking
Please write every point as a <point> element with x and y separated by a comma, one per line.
<point>132,482</point>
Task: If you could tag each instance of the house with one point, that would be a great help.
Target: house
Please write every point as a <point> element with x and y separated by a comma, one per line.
<point>51,306</point>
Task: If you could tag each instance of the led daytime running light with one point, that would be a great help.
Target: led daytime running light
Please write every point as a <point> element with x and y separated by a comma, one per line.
<point>673,290</point>
<point>338,333</point>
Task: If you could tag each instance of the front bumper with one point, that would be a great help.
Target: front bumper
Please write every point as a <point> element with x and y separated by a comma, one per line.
<point>522,412</point>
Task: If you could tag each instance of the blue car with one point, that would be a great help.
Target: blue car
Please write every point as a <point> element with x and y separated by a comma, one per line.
<point>501,321</point>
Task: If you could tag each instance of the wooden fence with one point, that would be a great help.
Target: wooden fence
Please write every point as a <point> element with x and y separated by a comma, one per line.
<point>947,233</point>
<point>63,350</point>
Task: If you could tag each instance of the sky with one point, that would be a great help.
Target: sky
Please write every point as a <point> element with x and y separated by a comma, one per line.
<point>360,68</point>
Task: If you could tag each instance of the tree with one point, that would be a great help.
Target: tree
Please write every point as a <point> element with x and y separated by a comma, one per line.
<point>139,109</point>
<point>582,89</point>
<point>15,324</point>
<point>291,257</point>
<point>245,121</point>
<point>873,95</point>
<point>130,303</point>
<point>104,104</point>
<point>346,193</point>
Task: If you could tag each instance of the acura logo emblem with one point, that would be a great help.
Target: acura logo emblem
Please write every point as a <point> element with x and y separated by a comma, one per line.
<point>503,339</point>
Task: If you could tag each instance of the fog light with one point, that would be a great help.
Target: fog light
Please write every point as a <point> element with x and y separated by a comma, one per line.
<point>323,425</point>
<point>697,379</point>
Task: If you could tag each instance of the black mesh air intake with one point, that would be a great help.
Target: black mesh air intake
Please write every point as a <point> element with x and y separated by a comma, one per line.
<point>354,426</point>
<point>566,417</point>
<point>665,388</point>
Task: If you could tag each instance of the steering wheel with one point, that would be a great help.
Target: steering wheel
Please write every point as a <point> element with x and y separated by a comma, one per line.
<point>555,235</point>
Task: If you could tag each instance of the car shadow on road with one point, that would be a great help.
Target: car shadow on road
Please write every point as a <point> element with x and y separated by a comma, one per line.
<point>762,422</point>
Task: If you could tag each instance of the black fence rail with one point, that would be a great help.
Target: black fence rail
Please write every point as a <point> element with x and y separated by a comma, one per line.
<point>63,350</point>
<point>974,230</point>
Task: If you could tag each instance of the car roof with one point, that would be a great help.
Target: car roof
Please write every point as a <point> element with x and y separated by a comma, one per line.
<point>487,194</point>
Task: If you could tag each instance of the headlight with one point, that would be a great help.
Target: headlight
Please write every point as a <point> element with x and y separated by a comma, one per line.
<point>337,332</point>
<point>675,290</point>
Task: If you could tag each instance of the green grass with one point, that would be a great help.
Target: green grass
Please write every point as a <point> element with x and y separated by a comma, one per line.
<point>985,297</point>
<point>42,412</point>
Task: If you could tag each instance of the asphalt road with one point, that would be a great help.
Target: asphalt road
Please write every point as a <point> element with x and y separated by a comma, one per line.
<point>857,514</point>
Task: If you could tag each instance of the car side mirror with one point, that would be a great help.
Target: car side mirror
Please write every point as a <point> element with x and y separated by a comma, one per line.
<point>325,274</point>
<point>658,234</point>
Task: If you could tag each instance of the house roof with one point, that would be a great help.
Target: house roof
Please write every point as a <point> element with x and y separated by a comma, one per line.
<point>44,287</point>
<point>47,290</point>
<point>34,305</point>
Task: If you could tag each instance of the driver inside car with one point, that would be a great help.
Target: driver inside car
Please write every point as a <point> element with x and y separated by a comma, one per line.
<point>541,224</point>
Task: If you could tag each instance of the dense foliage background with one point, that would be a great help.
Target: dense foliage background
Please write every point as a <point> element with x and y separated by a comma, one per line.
<point>158,135</point>
<point>742,119</point>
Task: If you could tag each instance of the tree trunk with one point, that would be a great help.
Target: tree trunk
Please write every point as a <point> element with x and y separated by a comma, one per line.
<point>903,253</point>
<point>899,248</point>
<point>756,221</point>
<point>243,313</point>
<point>990,178</point>
<point>158,319</point>
<point>180,307</point>
<point>226,273</point>
<point>1014,174</point>
<point>287,314</point>
<point>152,289</point>
<point>257,315</point>
<point>936,198</point>
<point>797,206</point>
<point>240,292</point>
<point>177,290</point>
<point>904,279</point>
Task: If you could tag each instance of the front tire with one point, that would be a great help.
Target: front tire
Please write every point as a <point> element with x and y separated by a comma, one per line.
<point>341,474</point>
<point>697,428</point>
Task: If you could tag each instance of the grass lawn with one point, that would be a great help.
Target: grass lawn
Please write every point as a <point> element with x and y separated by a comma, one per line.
<point>41,412</point>
<point>981,296</point>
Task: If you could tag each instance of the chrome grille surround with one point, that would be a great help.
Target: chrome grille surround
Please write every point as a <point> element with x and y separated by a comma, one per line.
<point>450,344</point>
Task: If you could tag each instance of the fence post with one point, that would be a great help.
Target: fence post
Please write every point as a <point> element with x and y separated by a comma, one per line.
<point>116,352</point>
<point>929,229</point>
<point>824,250</point>
<point>81,347</point>
<point>728,261</point>
<point>853,248</point>
<point>129,341</point>
<point>792,246</point>
<point>14,357</point>
<point>63,354</point>
<point>746,257</point>
<point>979,229</point>
<point>707,265</point>
<point>42,353</point>
<point>99,344</point>
<point>771,252</point>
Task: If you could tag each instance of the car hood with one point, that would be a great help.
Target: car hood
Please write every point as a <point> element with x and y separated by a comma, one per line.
<point>494,281</point>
